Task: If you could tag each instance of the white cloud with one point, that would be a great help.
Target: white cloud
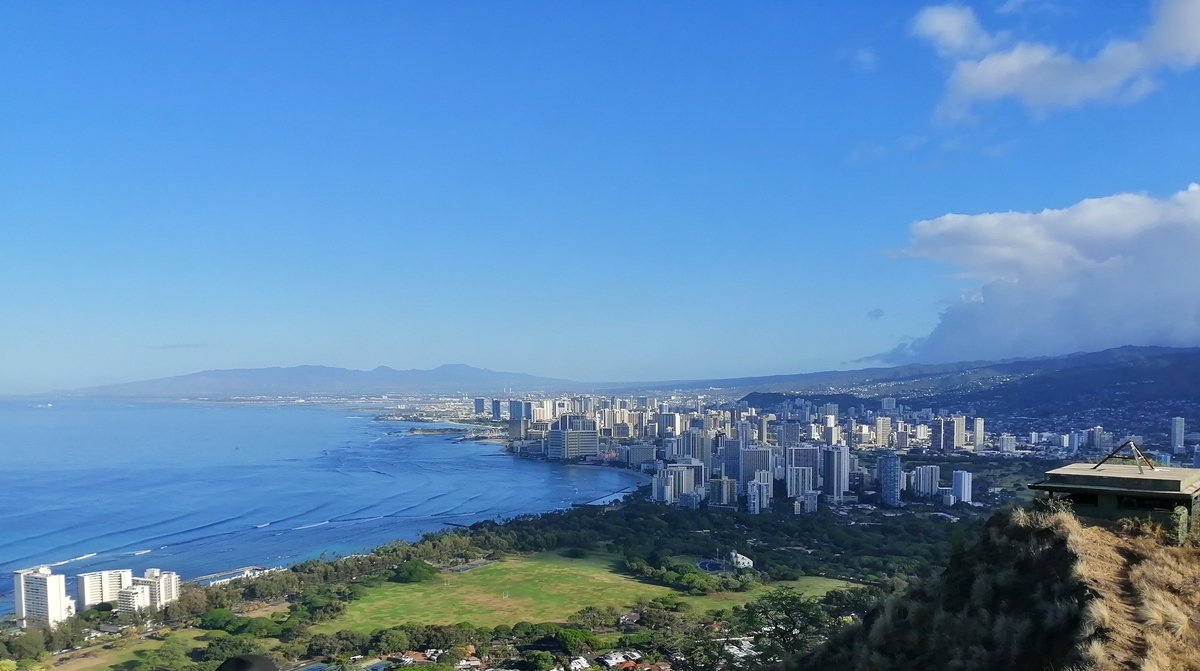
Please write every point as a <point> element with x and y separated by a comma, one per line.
<point>1104,272</point>
<point>1011,7</point>
<point>953,30</point>
<point>865,59</point>
<point>1044,78</point>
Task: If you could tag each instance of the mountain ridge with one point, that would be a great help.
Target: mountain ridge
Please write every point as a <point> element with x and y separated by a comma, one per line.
<point>316,380</point>
<point>919,379</point>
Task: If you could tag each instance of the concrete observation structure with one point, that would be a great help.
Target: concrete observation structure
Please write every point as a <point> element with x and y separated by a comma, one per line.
<point>1114,491</point>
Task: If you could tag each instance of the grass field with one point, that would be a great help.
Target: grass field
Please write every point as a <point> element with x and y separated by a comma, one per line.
<point>111,660</point>
<point>544,587</point>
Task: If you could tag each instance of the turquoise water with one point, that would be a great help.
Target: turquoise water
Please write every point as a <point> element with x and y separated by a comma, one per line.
<point>198,489</point>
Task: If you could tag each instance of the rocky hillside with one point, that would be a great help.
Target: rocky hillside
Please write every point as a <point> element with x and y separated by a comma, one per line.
<point>1037,592</point>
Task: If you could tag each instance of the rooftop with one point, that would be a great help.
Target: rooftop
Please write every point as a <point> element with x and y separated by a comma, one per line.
<point>1127,477</point>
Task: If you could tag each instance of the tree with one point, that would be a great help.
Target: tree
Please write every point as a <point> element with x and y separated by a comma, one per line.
<point>8,665</point>
<point>388,641</point>
<point>232,646</point>
<point>219,618</point>
<point>259,627</point>
<point>414,570</point>
<point>851,602</point>
<point>29,645</point>
<point>784,624</point>
<point>539,660</point>
<point>592,618</point>
<point>574,641</point>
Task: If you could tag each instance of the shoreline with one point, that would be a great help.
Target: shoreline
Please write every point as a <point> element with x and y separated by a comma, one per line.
<point>645,477</point>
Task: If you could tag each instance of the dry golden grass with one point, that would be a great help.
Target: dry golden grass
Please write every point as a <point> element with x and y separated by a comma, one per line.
<point>1040,590</point>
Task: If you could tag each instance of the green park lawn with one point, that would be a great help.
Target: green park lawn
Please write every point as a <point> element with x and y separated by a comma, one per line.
<point>544,587</point>
<point>115,659</point>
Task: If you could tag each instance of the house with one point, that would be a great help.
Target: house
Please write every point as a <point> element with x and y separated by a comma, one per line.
<point>579,664</point>
<point>740,560</point>
<point>612,659</point>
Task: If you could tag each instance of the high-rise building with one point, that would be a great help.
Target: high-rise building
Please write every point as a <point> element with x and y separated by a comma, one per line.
<point>887,404</point>
<point>480,406</point>
<point>883,431</point>
<point>698,444</point>
<point>682,481</point>
<point>832,435</point>
<point>40,597</point>
<point>790,434</point>
<point>668,423</point>
<point>890,479</point>
<point>662,489</point>
<point>496,409</point>
<point>941,435</point>
<point>573,437</point>
<point>961,486</point>
<point>977,434</point>
<point>928,479</point>
<point>800,481</point>
<point>639,453</point>
<point>1177,434</point>
<point>133,598</point>
<point>758,492</point>
<point>723,492</point>
<point>163,586</point>
<point>755,459</point>
<point>99,587</point>
<point>731,458</point>
<point>763,422</point>
<point>960,431</point>
<point>835,477</point>
<point>806,456</point>
<point>1007,442</point>
<point>830,409</point>
<point>516,410</point>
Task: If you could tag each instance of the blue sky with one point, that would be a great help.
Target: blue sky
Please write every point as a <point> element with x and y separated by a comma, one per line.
<point>598,191</point>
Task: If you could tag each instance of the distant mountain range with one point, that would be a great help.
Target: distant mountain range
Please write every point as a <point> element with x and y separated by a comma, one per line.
<point>326,380</point>
<point>926,377</point>
<point>1171,371</point>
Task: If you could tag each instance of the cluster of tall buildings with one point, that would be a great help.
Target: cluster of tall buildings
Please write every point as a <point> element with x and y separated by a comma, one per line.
<point>731,454</point>
<point>40,595</point>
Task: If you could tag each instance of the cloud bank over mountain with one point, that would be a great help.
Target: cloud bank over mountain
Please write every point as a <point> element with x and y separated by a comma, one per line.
<point>1104,272</point>
<point>1043,77</point>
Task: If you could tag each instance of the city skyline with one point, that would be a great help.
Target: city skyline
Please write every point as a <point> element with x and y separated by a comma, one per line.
<point>225,187</point>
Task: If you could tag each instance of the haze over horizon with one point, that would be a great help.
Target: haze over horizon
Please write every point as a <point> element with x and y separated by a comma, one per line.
<point>592,192</point>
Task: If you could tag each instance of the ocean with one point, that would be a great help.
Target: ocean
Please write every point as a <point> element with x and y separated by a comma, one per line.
<point>198,489</point>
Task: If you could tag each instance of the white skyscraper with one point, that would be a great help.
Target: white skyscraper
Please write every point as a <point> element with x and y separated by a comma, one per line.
<point>1007,442</point>
<point>883,431</point>
<point>800,481</point>
<point>978,434</point>
<point>960,486</point>
<point>101,586</point>
<point>1177,435</point>
<point>927,479</point>
<point>41,597</point>
<point>758,493</point>
<point>163,586</point>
